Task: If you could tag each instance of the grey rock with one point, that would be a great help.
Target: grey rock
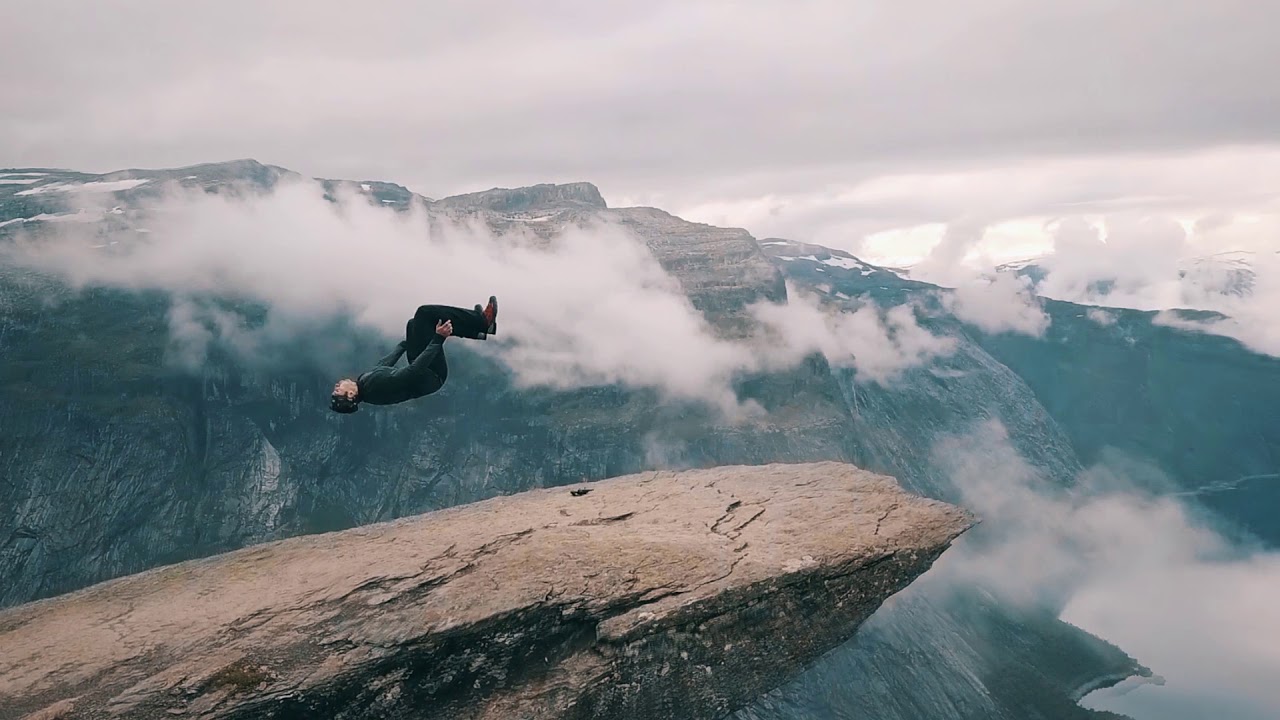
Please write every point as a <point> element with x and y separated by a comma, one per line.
<point>655,595</point>
<point>721,269</point>
<point>514,200</point>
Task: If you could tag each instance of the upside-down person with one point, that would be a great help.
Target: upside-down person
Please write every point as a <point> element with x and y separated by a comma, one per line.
<point>427,370</point>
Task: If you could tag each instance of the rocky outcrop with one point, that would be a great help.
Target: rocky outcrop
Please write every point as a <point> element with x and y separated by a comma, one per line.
<point>515,200</point>
<point>653,595</point>
<point>721,269</point>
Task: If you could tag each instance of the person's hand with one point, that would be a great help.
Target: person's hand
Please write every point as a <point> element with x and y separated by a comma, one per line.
<point>444,328</point>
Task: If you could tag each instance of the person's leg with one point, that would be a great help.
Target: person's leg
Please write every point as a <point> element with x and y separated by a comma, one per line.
<point>466,323</point>
<point>439,366</point>
<point>428,370</point>
<point>417,336</point>
<point>413,345</point>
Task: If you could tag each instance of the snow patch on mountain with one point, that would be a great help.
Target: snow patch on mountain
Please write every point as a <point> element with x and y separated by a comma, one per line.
<point>82,216</point>
<point>97,186</point>
<point>793,251</point>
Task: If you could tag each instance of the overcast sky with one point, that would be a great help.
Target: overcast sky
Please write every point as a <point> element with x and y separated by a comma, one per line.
<point>816,119</point>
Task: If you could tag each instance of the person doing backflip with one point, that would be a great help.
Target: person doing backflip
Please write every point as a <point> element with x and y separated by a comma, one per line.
<point>426,371</point>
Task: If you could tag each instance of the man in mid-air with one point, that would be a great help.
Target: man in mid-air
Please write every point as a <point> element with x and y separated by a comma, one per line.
<point>427,371</point>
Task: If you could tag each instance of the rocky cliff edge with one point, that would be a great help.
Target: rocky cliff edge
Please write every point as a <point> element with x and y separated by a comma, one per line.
<point>659,595</point>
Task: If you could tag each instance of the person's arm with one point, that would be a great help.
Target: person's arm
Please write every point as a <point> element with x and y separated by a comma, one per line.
<point>384,383</point>
<point>420,368</point>
<point>421,365</point>
<point>394,357</point>
<point>428,355</point>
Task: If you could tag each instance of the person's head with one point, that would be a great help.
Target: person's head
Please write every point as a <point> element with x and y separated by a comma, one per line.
<point>345,397</point>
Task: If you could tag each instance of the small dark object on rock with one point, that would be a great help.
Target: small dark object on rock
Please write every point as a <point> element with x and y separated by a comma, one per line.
<point>240,676</point>
<point>579,492</point>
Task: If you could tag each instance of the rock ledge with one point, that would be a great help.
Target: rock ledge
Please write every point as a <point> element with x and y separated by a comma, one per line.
<point>664,594</point>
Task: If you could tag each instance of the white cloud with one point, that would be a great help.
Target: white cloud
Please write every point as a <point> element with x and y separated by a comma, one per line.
<point>592,306</point>
<point>1253,325</point>
<point>1158,263</point>
<point>1208,627</point>
<point>1187,253</point>
<point>1123,260</point>
<point>1003,303</point>
<point>1101,317</point>
<point>1124,561</point>
<point>189,334</point>
<point>879,344</point>
<point>945,262</point>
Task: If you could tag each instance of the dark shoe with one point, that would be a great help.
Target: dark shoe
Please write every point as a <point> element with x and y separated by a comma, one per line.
<point>490,313</point>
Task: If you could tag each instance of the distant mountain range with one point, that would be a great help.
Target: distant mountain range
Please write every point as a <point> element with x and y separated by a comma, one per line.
<point>1221,275</point>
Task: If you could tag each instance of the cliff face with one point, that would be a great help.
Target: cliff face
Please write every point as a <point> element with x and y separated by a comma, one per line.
<point>654,595</point>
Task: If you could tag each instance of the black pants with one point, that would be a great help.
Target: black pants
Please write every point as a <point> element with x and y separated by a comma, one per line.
<point>420,328</point>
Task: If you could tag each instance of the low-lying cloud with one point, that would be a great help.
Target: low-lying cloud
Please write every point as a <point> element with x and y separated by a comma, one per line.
<point>878,344</point>
<point>1123,560</point>
<point>1154,261</point>
<point>1101,317</point>
<point>591,306</point>
<point>1208,627</point>
<point>993,302</point>
<point>1249,317</point>
<point>1003,303</point>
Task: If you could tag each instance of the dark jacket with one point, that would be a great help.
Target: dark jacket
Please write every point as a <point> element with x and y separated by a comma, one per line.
<point>386,384</point>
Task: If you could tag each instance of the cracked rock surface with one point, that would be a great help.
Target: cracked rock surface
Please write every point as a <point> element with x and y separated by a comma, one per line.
<point>656,595</point>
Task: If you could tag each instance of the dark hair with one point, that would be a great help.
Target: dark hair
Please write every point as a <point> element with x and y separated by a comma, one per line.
<point>343,404</point>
